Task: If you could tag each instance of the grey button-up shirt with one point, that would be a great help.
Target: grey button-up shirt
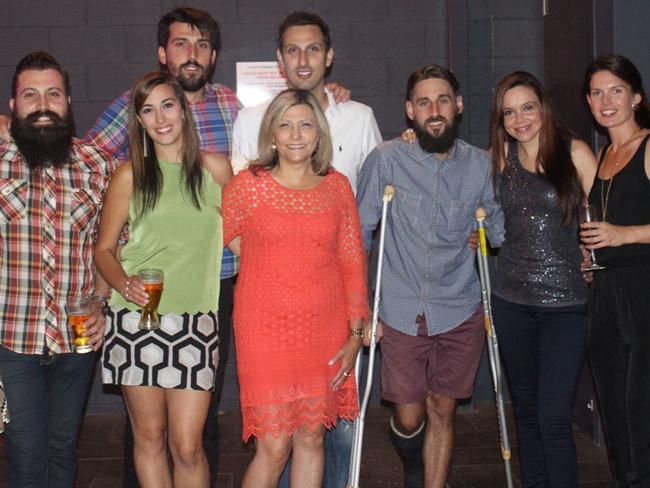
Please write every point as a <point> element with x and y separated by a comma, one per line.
<point>428,264</point>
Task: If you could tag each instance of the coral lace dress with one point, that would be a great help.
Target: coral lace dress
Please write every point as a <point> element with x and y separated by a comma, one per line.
<point>302,279</point>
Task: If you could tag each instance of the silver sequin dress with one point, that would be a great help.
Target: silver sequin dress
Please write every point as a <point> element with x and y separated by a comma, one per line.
<point>539,262</point>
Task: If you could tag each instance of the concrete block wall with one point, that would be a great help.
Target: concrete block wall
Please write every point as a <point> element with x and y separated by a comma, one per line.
<point>503,36</point>
<point>107,44</point>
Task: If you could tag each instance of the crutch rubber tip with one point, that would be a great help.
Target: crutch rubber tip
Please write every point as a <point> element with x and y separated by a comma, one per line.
<point>480,213</point>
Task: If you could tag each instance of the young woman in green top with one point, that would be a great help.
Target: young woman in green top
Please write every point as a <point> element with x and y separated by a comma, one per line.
<point>169,196</point>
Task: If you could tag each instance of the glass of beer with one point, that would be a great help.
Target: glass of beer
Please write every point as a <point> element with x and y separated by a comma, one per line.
<point>152,279</point>
<point>79,308</point>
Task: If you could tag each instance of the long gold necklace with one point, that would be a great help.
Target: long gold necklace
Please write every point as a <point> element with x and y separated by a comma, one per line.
<point>604,197</point>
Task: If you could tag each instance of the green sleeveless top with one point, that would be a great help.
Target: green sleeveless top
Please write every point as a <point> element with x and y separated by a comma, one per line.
<point>183,241</point>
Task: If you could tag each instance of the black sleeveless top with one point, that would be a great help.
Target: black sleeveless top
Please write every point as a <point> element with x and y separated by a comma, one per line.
<point>624,200</point>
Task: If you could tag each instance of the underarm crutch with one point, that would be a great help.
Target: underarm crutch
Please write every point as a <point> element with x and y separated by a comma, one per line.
<point>493,344</point>
<point>357,439</point>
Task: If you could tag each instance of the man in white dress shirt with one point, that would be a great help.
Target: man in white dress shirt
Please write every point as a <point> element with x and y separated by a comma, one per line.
<point>305,56</point>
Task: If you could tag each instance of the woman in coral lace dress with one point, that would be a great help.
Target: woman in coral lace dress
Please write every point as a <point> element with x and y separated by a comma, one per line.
<point>301,296</point>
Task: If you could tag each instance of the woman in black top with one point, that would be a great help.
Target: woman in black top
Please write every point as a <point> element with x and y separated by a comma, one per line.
<point>619,301</point>
<point>539,293</point>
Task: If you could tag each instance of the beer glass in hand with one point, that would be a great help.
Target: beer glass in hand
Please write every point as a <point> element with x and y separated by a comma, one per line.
<point>79,308</point>
<point>588,213</point>
<point>152,280</point>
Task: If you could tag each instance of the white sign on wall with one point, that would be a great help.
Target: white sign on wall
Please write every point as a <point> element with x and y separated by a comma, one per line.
<point>258,82</point>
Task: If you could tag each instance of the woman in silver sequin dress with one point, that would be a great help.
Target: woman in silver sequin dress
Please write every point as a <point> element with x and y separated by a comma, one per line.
<point>543,174</point>
<point>619,305</point>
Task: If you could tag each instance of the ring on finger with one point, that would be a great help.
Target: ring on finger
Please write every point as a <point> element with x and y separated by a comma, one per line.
<point>346,374</point>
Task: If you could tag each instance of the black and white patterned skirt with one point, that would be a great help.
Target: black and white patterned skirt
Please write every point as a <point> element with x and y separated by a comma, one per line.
<point>182,354</point>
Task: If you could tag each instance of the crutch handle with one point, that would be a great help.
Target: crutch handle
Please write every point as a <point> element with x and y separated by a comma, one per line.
<point>481,214</point>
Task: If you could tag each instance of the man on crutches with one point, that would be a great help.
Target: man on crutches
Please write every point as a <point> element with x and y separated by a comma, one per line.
<point>433,333</point>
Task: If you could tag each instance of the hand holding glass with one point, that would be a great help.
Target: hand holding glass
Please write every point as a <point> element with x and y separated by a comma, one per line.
<point>588,214</point>
<point>79,308</point>
<point>152,279</point>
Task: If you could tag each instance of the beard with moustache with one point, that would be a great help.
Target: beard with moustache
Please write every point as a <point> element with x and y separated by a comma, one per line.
<point>193,82</point>
<point>43,145</point>
<point>441,143</point>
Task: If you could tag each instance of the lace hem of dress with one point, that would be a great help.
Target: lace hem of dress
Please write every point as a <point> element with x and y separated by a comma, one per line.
<point>276,419</point>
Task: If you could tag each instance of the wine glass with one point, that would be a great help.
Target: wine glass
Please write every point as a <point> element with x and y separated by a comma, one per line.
<point>588,213</point>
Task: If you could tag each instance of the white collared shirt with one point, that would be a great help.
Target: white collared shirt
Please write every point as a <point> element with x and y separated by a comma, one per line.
<point>353,129</point>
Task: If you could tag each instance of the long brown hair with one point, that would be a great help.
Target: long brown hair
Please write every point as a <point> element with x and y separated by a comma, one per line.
<point>147,177</point>
<point>554,155</point>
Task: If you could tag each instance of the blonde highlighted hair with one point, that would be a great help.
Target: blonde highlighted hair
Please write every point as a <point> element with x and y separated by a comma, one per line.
<point>321,159</point>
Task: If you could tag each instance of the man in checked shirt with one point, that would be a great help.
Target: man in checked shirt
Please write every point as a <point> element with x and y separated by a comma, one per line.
<point>433,332</point>
<point>51,187</point>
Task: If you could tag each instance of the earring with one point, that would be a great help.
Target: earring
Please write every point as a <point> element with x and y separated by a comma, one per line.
<point>273,147</point>
<point>144,142</point>
<point>635,106</point>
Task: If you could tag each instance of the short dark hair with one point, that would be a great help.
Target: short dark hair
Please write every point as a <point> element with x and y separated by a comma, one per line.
<point>431,71</point>
<point>39,60</point>
<point>298,19</point>
<point>199,19</point>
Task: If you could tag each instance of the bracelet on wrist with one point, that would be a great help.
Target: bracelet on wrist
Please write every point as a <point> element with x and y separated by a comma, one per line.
<point>357,332</point>
<point>103,303</point>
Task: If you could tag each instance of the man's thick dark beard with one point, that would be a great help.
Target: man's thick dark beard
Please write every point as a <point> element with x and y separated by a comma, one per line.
<point>194,83</point>
<point>47,145</point>
<point>437,144</point>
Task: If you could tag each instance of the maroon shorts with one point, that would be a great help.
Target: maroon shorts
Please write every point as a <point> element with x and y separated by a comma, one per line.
<point>445,364</point>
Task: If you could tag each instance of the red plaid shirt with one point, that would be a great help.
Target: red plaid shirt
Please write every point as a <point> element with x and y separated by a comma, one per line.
<point>48,225</point>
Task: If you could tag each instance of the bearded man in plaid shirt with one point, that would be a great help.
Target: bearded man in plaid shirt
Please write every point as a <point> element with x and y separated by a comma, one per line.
<point>51,187</point>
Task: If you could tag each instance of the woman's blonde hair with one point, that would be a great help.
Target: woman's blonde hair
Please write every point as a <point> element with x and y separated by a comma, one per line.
<point>321,159</point>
